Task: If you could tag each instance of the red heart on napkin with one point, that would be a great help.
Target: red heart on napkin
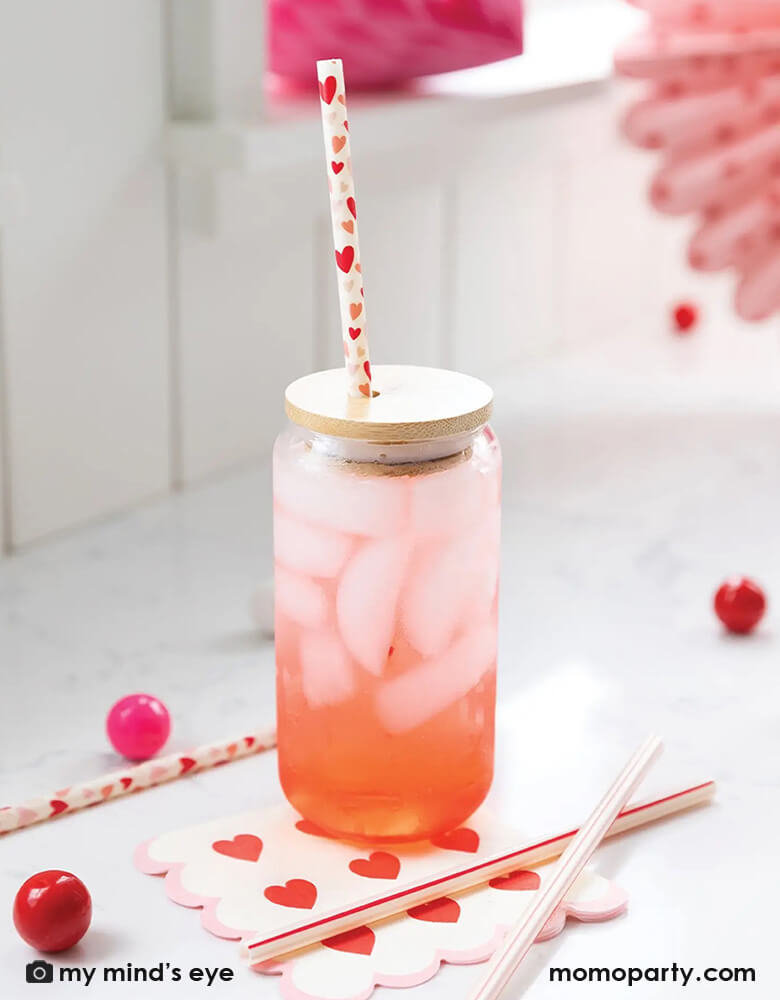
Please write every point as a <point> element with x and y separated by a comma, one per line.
<point>345,257</point>
<point>297,892</point>
<point>463,839</point>
<point>354,332</point>
<point>57,806</point>
<point>358,941</point>
<point>519,881</point>
<point>187,764</point>
<point>379,864</point>
<point>125,782</point>
<point>351,207</point>
<point>337,166</point>
<point>306,826</point>
<point>328,88</point>
<point>243,847</point>
<point>438,911</point>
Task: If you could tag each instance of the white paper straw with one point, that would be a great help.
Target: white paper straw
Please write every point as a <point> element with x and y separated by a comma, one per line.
<point>519,940</point>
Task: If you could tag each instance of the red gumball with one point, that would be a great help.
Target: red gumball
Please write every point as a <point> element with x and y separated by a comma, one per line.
<point>740,604</point>
<point>685,317</point>
<point>52,910</point>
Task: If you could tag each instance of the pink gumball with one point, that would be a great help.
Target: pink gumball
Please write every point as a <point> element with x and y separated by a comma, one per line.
<point>138,726</point>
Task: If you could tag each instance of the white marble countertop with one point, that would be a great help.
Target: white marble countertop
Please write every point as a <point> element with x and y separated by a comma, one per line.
<point>632,487</point>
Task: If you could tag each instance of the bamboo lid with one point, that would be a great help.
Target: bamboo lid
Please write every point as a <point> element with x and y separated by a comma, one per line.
<point>412,404</point>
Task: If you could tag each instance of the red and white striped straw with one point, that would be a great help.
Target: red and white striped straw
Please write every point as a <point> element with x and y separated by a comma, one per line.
<point>343,215</point>
<point>388,904</point>
<point>134,778</point>
<point>519,940</point>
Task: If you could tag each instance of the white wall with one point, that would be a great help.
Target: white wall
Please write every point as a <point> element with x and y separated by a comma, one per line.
<point>84,273</point>
<point>152,316</point>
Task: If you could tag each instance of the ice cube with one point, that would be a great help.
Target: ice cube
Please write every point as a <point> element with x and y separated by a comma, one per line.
<point>480,601</point>
<point>415,697</point>
<point>449,583</point>
<point>367,600</point>
<point>309,550</point>
<point>342,500</point>
<point>299,598</point>
<point>327,673</point>
<point>447,502</point>
<point>441,582</point>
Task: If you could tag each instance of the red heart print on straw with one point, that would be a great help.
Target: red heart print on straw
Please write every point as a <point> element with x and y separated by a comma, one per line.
<point>343,214</point>
<point>132,779</point>
<point>345,257</point>
<point>328,88</point>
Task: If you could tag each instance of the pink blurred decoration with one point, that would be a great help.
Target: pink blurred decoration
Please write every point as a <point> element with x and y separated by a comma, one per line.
<point>713,111</point>
<point>385,42</point>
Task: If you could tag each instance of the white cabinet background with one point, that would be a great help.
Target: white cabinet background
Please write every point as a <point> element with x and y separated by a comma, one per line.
<point>152,312</point>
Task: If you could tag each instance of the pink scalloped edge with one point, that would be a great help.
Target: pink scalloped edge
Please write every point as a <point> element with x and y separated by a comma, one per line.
<point>175,891</point>
<point>471,957</point>
<point>611,905</point>
<point>607,907</point>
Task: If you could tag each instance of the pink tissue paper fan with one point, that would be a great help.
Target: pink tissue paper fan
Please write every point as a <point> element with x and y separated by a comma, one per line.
<point>386,42</point>
<point>712,110</point>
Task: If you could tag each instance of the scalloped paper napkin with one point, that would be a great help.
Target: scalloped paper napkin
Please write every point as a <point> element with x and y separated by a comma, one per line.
<point>265,871</point>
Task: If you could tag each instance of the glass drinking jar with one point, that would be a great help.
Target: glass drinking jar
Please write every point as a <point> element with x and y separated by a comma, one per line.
<point>386,577</point>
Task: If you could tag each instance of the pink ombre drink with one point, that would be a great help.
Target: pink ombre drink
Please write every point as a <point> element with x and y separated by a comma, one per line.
<point>386,558</point>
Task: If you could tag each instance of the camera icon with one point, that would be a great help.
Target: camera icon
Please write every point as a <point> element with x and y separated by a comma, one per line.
<point>39,972</point>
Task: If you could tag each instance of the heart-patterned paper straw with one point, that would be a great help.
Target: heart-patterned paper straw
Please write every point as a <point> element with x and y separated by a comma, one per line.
<point>343,216</point>
<point>134,778</point>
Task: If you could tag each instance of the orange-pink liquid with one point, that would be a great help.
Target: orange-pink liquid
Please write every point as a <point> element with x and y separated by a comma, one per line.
<point>386,615</point>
